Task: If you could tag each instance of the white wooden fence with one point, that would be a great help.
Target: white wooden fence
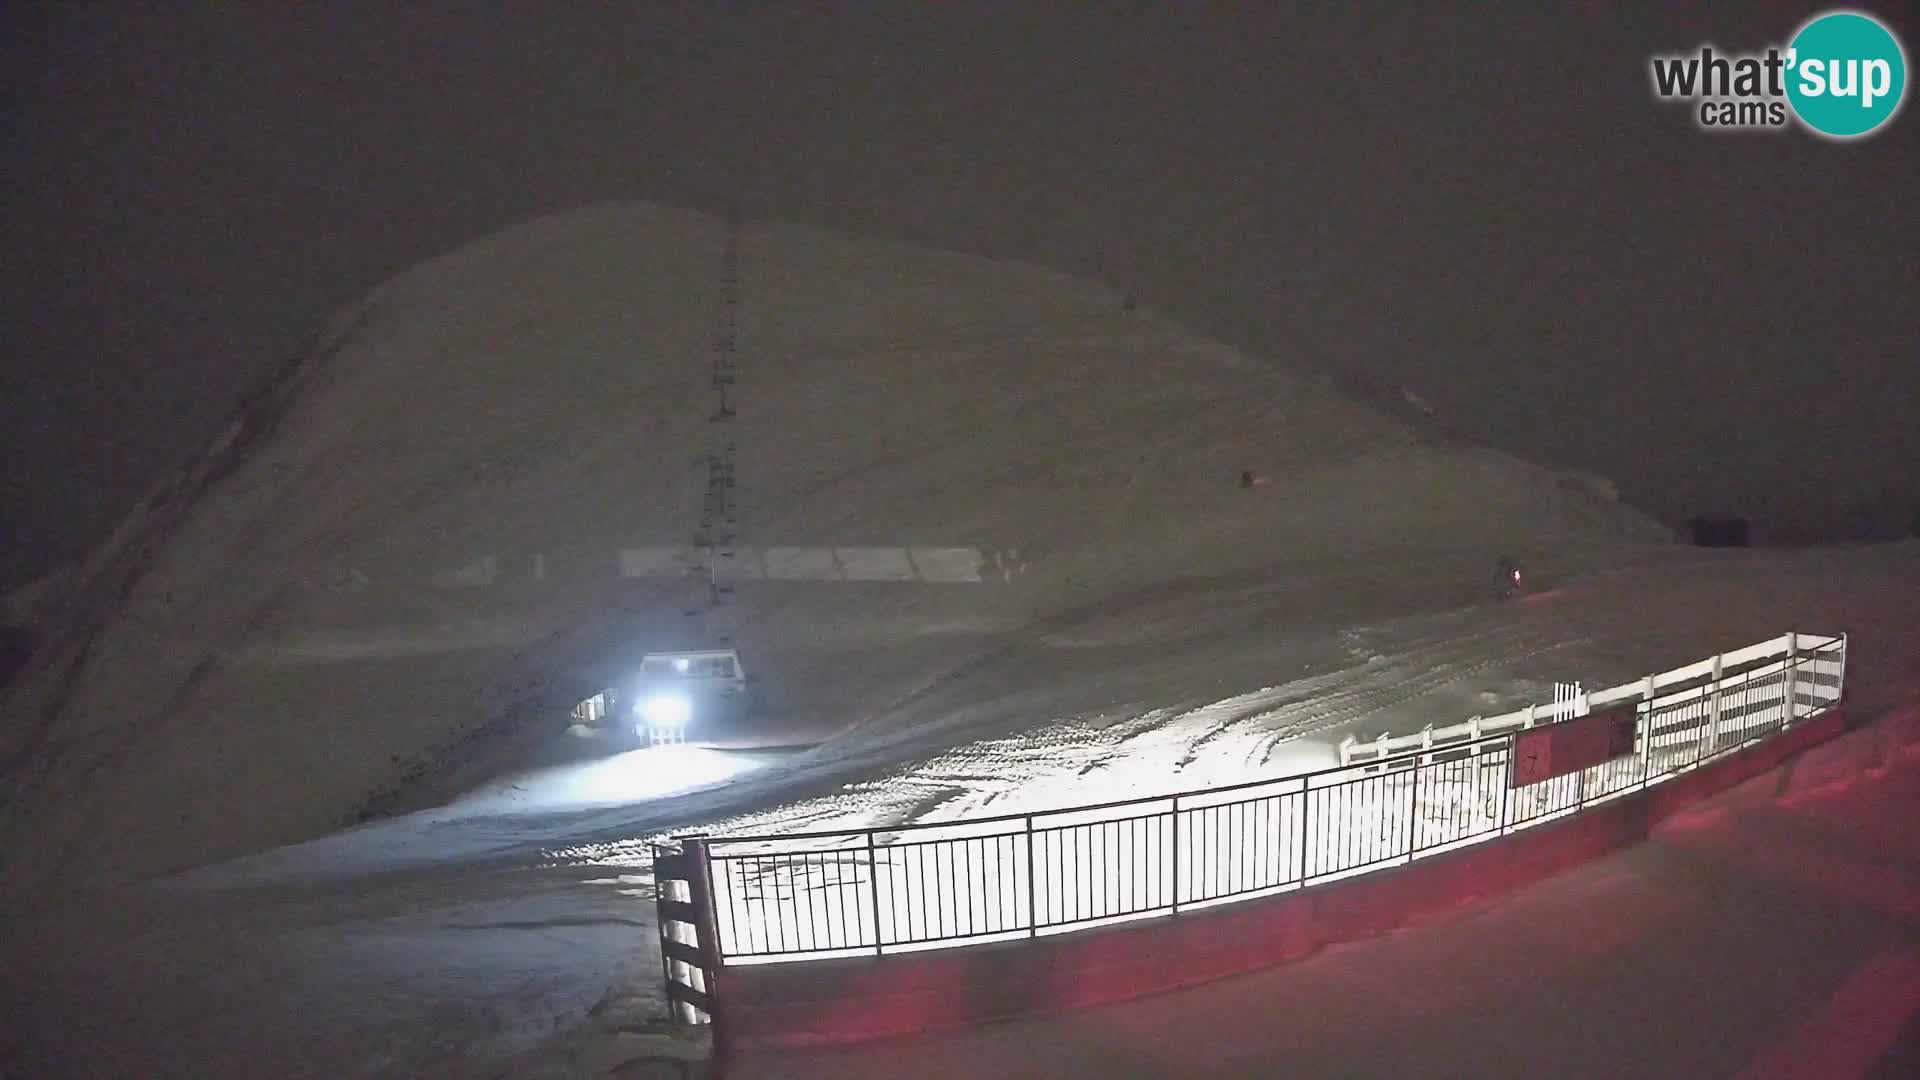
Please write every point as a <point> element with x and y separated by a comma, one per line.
<point>1754,661</point>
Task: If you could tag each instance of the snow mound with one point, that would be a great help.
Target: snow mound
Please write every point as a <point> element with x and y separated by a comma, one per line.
<point>289,648</point>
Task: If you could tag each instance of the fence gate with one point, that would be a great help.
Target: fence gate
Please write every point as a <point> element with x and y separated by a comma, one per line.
<point>1567,702</point>
<point>689,946</point>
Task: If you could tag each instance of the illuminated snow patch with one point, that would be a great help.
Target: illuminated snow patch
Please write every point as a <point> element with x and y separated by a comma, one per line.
<point>622,778</point>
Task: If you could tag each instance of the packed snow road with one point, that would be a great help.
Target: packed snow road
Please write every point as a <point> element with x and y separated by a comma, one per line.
<point>1229,689</point>
<point>1077,715</point>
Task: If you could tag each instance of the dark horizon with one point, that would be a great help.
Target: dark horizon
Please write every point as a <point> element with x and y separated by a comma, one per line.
<point>1490,209</point>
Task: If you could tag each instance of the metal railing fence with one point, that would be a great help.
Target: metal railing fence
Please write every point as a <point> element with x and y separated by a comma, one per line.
<point>937,884</point>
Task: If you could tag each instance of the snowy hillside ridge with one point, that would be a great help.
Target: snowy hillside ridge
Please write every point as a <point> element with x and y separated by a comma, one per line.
<point>20,607</point>
<point>540,399</point>
<point>60,612</point>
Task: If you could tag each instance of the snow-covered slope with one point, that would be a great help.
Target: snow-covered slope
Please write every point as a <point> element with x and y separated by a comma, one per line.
<point>280,660</point>
<point>455,940</point>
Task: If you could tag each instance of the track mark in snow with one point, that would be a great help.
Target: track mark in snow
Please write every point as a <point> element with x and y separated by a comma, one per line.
<point>1430,671</point>
<point>1128,753</point>
<point>550,924</point>
<point>1357,706</point>
<point>1333,698</point>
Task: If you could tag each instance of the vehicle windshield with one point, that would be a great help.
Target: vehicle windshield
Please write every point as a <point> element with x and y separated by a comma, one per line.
<point>689,667</point>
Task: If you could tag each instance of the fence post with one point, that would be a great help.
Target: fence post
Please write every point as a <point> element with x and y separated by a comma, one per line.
<point>1506,783</point>
<point>1176,854</point>
<point>1306,802</point>
<point>1576,705</point>
<point>1413,800</point>
<point>660,926</point>
<point>699,868</point>
<point>1646,733</point>
<point>1033,887</point>
<point>872,884</point>
<point>1786,716</point>
<point>1840,689</point>
<point>1713,703</point>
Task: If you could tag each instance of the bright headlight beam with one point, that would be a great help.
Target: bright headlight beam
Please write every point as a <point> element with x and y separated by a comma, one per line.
<point>666,710</point>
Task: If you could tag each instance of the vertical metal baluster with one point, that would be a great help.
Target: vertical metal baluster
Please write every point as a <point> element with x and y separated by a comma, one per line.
<point>1073,888</point>
<point>753,885</point>
<point>1260,843</point>
<point>941,895</point>
<point>1270,842</point>
<point>1131,863</point>
<point>921,893</point>
<point>1216,849</point>
<point>797,880</point>
<point>1063,892</point>
<point>659,886</point>
<point>767,867</point>
<point>790,923</point>
<point>847,937</point>
<point>966,893</point>
<point>776,916</point>
<point>1009,890</point>
<point>1095,884</point>
<point>1222,835</point>
<point>733,904</point>
<point>1109,882</point>
<point>946,915</point>
<point>1506,784</point>
<point>1094,865</point>
<point>873,888</point>
<point>1787,675</point>
<point>1096,894</point>
<point>1240,868</point>
<point>1340,840</point>
<point>1083,854</point>
<point>1210,882</point>
<point>938,894</point>
<point>1176,854</point>
<point>976,893</point>
<point>770,900</point>
<point>1204,847</point>
<point>759,878</point>
<point>1332,840</point>
<point>1413,805</point>
<point>913,896</point>
<point>790,915</point>
<point>1361,843</point>
<point>1306,808</point>
<point>1033,881</point>
<point>821,908</point>
<point>812,939</point>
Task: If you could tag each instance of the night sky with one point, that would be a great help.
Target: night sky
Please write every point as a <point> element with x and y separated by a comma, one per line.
<point>1490,208</point>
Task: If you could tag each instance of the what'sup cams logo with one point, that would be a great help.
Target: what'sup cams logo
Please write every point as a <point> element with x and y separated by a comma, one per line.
<point>1844,75</point>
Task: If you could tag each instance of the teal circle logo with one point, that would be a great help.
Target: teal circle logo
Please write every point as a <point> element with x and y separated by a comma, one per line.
<point>1846,74</point>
